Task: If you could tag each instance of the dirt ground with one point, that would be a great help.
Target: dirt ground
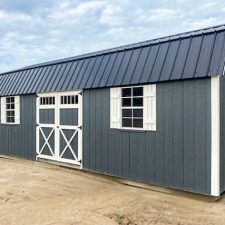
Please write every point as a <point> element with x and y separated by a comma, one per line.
<point>38,193</point>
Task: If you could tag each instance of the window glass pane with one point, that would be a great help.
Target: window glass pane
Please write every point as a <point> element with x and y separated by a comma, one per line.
<point>138,113</point>
<point>137,101</point>
<point>127,113</point>
<point>7,100</point>
<point>69,102</point>
<point>138,123</point>
<point>10,113</point>
<point>10,119</point>
<point>73,99</point>
<point>138,91</point>
<point>65,100</point>
<point>127,122</point>
<point>76,99</point>
<point>126,102</point>
<point>126,92</point>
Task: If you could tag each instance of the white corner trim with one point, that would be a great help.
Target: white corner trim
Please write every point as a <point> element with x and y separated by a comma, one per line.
<point>215,136</point>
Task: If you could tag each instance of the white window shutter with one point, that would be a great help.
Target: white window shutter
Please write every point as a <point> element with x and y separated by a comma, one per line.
<point>115,107</point>
<point>17,109</point>
<point>3,110</point>
<point>150,107</point>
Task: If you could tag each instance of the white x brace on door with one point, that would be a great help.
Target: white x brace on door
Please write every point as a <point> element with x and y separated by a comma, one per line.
<point>59,127</point>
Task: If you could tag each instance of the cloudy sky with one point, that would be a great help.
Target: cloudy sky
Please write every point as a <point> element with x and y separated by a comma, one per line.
<point>34,31</point>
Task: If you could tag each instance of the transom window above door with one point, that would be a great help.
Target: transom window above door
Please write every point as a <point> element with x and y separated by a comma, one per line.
<point>69,99</point>
<point>47,100</point>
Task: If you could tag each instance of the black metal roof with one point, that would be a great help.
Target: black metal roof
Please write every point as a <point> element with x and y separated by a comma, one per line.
<point>195,54</point>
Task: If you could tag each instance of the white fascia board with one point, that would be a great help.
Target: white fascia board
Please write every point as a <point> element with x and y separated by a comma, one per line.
<point>215,136</point>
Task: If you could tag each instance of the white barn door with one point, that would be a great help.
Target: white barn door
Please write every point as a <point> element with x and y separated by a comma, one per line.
<point>59,127</point>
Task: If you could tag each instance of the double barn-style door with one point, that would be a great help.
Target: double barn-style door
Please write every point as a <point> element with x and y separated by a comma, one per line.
<point>59,127</point>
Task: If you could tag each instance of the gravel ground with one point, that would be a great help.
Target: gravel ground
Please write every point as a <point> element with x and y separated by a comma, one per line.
<point>34,193</point>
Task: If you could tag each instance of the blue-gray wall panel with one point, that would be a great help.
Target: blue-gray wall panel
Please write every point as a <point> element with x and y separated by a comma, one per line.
<point>20,140</point>
<point>177,155</point>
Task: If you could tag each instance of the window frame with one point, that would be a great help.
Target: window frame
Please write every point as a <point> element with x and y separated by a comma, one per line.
<point>132,108</point>
<point>16,110</point>
<point>10,110</point>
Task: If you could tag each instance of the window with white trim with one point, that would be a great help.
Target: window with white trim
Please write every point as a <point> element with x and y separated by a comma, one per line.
<point>133,107</point>
<point>10,110</point>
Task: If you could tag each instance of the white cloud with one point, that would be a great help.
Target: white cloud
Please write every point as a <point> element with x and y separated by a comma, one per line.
<point>70,10</point>
<point>202,23</point>
<point>112,15</point>
<point>157,15</point>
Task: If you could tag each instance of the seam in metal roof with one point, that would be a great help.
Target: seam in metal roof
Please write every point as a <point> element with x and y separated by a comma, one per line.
<point>188,55</point>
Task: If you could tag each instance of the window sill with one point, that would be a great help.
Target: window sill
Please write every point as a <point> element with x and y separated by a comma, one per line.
<point>11,124</point>
<point>133,130</point>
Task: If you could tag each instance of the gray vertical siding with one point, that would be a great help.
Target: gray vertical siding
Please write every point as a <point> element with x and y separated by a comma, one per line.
<point>177,155</point>
<point>19,140</point>
<point>222,134</point>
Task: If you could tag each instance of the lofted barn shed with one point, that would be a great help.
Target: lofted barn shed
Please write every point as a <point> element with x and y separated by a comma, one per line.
<point>153,112</point>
